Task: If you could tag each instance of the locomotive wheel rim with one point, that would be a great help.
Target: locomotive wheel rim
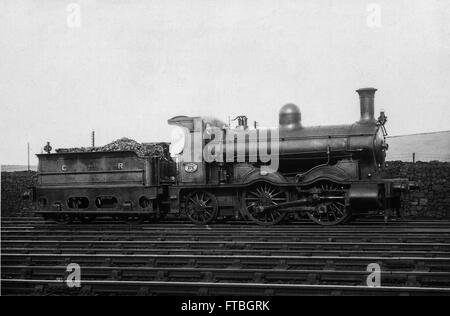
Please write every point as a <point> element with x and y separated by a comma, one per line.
<point>264,194</point>
<point>201,207</point>
<point>331,213</point>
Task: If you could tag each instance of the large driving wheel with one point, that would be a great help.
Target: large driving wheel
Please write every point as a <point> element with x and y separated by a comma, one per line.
<point>334,211</point>
<point>260,195</point>
<point>201,207</point>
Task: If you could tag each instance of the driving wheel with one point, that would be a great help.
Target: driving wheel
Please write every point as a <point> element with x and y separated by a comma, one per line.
<point>264,194</point>
<point>331,212</point>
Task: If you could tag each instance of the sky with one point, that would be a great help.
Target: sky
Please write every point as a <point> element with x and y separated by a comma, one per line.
<point>123,68</point>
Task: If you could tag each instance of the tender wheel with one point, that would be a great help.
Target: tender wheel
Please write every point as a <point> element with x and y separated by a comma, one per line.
<point>134,219</point>
<point>333,212</point>
<point>48,217</point>
<point>86,218</point>
<point>65,218</point>
<point>264,194</point>
<point>201,207</point>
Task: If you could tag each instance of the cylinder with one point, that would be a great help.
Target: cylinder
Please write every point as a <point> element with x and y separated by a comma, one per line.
<point>366,99</point>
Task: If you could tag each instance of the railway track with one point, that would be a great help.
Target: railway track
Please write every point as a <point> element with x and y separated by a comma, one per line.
<point>177,257</point>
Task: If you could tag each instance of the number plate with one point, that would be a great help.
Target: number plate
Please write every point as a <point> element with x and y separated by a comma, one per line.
<point>190,167</point>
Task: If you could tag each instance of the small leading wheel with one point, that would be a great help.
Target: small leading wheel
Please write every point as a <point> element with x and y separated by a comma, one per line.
<point>332,212</point>
<point>260,195</point>
<point>201,207</point>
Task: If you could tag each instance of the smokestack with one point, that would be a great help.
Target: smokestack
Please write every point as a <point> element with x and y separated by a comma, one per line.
<point>366,99</point>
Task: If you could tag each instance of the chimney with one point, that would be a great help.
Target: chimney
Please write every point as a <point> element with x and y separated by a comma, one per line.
<point>366,99</point>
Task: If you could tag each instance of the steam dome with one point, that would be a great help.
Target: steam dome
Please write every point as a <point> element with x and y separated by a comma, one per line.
<point>290,116</point>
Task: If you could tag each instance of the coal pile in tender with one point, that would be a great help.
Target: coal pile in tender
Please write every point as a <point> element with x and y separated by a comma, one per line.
<point>160,150</point>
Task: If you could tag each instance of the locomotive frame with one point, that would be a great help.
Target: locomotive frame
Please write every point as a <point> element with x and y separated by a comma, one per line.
<point>325,172</point>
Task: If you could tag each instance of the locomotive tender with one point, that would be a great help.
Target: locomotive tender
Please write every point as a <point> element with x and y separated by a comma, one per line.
<point>325,172</point>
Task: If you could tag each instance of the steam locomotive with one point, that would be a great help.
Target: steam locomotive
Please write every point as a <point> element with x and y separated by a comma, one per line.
<point>326,173</point>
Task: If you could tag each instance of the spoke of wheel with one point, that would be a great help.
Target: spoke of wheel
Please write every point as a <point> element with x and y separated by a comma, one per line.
<point>255,194</point>
<point>341,204</point>
<point>333,213</point>
<point>338,209</point>
<point>276,194</point>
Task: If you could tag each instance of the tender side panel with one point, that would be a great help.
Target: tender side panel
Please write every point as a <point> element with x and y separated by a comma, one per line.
<point>95,182</point>
<point>125,177</point>
<point>82,169</point>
